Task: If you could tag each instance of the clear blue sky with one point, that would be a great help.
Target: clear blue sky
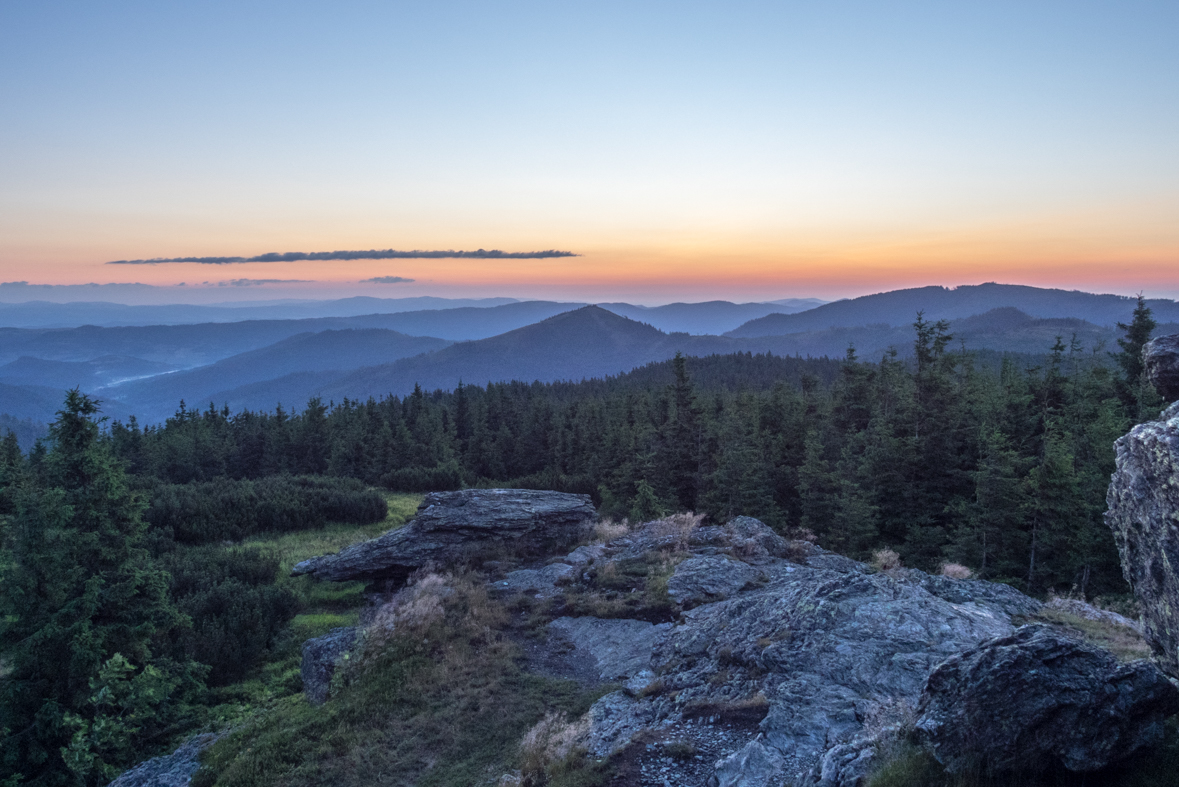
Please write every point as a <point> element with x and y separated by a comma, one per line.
<point>686,149</point>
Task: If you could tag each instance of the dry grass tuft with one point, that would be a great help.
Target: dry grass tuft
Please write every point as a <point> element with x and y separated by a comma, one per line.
<point>885,560</point>
<point>956,571</point>
<point>681,526</point>
<point>415,607</point>
<point>550,742</point>
<point>607,530</point>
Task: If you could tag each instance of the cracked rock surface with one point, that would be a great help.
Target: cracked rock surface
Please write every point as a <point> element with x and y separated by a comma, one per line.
<point>1143,513</point>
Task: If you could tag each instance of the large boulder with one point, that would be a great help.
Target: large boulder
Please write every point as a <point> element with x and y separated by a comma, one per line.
<point>453,526</point>
<point>1038,698</point>
<point>1161,357</point>
<point>1143,512</point>
<point>321,657</point>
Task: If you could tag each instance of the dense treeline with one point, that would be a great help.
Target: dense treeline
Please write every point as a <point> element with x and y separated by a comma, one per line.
<point>226,509</point>
<point>1001,466</point>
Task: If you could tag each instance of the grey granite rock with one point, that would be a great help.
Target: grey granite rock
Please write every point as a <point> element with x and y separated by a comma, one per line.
<point>619,649</point>
<point>1161,358</point>
<point>1036,698</point>
<point>172,770</point>
<point>848,764</point>
<point>456,526</point>
<point>321,657</point>
<point>700,580</point>
<point>757,764</point>
<point>614,720</point>
<point>1143,513</point>
<point>541,582</point>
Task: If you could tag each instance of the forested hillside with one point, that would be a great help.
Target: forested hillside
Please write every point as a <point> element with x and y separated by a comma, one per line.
<point>999,466</point>
<point>189,528</point>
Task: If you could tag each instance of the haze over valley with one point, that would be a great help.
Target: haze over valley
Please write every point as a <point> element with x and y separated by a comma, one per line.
<point>262,361</point>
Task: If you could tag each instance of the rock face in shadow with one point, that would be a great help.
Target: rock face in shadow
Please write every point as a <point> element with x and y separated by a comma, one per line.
<point>321,656</point>
<point>1143,512</point>
<point>455,526</point>
<point>1161,357</point>
<point>1039,698</point>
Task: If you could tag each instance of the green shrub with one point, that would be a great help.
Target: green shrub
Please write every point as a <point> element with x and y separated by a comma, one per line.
<point>236,609</point>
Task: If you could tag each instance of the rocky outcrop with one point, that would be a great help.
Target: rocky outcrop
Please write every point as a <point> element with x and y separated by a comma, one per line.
<point>1161,358</point>
<point>455,526</point>
<point>321,657</point>
<point>1037,698</point>
<point>786,648</point>
<point>172,770</point>
<point>1143,512</point>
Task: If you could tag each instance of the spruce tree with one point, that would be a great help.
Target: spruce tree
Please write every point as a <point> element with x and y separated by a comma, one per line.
<point>1138,395</point>
<point>81,606</point>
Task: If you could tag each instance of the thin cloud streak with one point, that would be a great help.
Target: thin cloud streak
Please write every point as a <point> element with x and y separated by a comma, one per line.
<point>386,280</point>
<point>257,282</point>
<point>371,254</point>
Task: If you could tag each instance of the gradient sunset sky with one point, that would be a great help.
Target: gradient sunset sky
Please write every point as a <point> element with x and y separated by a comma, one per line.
<point>687,151</point>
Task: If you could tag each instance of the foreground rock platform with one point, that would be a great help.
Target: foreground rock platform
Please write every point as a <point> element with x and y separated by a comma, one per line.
<point>1143,512</point>
<point>451,527</point>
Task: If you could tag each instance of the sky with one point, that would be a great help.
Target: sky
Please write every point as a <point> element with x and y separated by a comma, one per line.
<point>684,151</point>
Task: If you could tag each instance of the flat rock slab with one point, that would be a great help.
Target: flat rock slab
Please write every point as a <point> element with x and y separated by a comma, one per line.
<point>1035,698</point>
<point>451,527</point>
<point>618,649</point>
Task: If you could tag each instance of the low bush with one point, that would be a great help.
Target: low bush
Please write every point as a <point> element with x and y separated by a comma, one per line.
<point>443,477</point>
<point>236,609</point>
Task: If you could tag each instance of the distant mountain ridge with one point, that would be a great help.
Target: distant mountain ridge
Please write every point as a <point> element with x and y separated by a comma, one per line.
<point>258,364</point>
<point>899,307</point>
<point>592,342</point>
<point>46,314</point>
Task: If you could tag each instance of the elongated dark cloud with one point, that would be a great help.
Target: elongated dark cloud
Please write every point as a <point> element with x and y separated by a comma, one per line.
<point>386,280</point>
<point>371,254</point>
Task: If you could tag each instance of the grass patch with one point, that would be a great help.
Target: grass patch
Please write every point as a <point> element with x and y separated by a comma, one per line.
<point>1125,643</point>
<point>292,548</point>
<point>445,704</point>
